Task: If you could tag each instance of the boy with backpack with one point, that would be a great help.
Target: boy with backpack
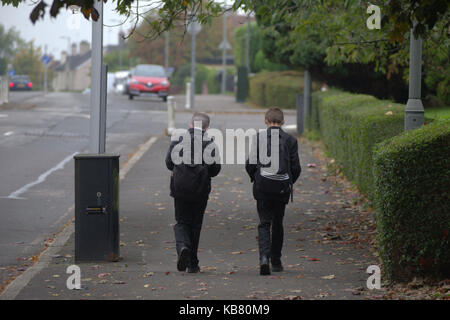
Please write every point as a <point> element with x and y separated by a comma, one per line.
<point>272,188</point>
<point>190,185</point>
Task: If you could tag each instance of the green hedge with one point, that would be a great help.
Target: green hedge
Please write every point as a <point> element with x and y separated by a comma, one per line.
<point>350,125</point>
<point>203,74</point>
<point>275,89</point>
<point>412,192</point>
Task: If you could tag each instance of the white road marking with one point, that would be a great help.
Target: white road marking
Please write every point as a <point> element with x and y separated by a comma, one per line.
<point>8,133</point>
<point>3,116</point>
<point>41,178</point>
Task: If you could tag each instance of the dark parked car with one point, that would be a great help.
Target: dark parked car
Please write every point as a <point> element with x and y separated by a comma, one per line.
<point>20,82</point>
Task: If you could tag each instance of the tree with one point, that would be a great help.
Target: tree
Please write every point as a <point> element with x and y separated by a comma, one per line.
<point>9,42</point>
<point>28,61</point>
<point>400,15</point>
<point>331,38</point>
<point>152,51</point>
<point>113,59</point>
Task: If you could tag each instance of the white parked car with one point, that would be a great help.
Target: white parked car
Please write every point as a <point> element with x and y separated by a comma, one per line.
<point>120,82</point>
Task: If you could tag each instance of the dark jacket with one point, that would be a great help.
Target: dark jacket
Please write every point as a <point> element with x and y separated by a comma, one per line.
<point>213,169</point>
<point>295,168</point>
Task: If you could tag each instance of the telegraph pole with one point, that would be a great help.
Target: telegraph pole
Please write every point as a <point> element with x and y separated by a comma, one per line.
<point>414,112</point>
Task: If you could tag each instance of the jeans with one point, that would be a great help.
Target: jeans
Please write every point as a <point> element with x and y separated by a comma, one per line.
<point>189,218</point>
<point>270,228</point>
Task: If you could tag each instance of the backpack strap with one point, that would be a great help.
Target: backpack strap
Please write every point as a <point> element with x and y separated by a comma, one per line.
<point>290,176</point>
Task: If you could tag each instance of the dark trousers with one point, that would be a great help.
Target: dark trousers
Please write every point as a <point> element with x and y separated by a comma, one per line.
<point>270,228</point>
<point>189,218</point>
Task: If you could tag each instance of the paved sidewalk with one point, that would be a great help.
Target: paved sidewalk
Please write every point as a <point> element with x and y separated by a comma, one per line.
<point>325,252</point>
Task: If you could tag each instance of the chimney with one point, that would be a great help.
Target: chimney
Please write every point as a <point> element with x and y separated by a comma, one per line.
<point>84,47</point>
<point>74,49</point>
<point>63,57</point>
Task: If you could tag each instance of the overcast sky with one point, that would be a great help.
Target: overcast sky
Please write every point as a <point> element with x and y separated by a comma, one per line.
<point>49,31</point>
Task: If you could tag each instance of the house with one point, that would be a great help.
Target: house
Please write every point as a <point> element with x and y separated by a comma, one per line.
<point>73,72</point>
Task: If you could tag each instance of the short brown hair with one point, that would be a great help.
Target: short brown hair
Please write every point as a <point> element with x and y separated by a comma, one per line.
<point>274,115</point>
<point>201,117</point>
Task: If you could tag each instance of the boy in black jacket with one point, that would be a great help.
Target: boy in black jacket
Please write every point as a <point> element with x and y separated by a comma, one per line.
<point>190,185</point>
<point>272,190</point>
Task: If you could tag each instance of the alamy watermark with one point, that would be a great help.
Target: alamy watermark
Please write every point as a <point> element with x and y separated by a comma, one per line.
<point>374,280</point>
<point>374,20</point>
<point>74,280</point>
<point>234,144</point>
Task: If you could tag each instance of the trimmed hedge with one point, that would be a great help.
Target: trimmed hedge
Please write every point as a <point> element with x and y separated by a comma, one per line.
<point>270,89</point>
<point>412,192</point>
<point>350,125</point>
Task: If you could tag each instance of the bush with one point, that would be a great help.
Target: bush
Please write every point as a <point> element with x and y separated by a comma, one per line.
<point>270,89</point>
<point>203,74</point>
<point>412,192</point>
<point>350,125</point>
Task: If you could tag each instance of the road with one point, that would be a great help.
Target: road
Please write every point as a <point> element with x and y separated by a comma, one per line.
<point>36,147</point>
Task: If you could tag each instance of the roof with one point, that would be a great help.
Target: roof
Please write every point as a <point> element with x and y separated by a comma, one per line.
<point>74,61</point>
<point>79,59</point>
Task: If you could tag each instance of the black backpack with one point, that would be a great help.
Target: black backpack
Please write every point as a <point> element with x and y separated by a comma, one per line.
<point>190,181</point>
<point>275,183</point>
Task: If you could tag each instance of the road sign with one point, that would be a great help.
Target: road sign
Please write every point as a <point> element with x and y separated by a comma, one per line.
<point>193,26</point>
<point>11,72</point>
<point>224,45</point>
<point>45,59</point>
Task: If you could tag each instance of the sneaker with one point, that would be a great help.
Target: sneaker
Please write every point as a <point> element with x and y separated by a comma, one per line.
<point>183,259</point>
<point>264,267</point>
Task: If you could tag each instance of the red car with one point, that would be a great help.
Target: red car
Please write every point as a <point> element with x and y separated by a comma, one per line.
<point>148,79</point>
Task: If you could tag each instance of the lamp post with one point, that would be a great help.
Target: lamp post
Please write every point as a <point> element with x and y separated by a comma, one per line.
<point>247,45</point>
<point>97,121</point>
<point>193,28</point>
<point>166,53</point>
<point>414,112</point>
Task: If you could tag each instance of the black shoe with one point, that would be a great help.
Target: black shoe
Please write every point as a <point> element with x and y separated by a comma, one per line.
<point>183,259</point>
<point>277,267</point>
<point>264,267</point>
<point>194,269</point>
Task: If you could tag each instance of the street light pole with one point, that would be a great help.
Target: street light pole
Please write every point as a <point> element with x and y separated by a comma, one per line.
<point>166,53</point>
<point>247,45</point>
<point>306,98</point>
<point>45,72</point>
<point>96,145</point>
<point>120,49</point>
<point>224,54</point>
<point>414,112</point>
<point>193,62</point>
